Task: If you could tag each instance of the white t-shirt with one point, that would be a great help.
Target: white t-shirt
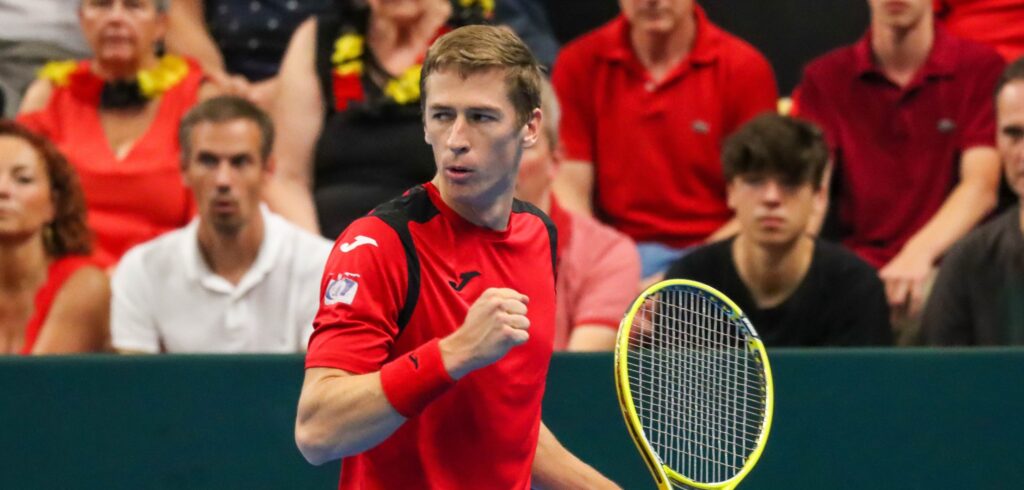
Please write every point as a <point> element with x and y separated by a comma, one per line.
<point>166,299</point>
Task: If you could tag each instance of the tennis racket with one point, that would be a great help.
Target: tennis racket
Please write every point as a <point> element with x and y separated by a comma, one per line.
<point>694,386</point>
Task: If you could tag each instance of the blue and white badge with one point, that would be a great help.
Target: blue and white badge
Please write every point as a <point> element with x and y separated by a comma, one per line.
<point>341,289</point>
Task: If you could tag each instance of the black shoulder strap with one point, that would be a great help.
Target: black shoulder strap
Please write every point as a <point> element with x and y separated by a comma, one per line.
<point>525,207</point>
<point>414,206</point>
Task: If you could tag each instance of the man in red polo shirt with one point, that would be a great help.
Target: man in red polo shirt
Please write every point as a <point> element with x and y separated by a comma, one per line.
<point>647,100</point>
<point>427,363</point>
<point>908,114</point>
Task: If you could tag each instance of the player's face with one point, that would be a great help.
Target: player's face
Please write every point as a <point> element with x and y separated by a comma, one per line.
<point>226,173</point>
<point>121,31</point>
<point>1010,133</point>
<point>770,211</point>
<point>899,14</point>
<point>536,170</point>
<point>656,16</point>
<point>477,141</point>
<point>26,203</point>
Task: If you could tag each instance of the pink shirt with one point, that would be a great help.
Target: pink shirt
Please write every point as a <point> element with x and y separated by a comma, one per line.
<point>598,274</point>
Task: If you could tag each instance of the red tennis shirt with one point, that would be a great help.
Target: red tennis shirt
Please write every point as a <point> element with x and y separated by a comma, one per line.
<point>407,274</point>
<point>997,23</point>
<point>655,145</point>
<point>897,150</point>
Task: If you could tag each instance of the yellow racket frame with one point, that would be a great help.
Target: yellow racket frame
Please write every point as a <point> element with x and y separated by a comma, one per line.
<point>663,474</point>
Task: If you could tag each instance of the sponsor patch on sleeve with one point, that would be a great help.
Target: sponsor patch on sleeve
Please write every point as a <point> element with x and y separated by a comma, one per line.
<point>341,289</point>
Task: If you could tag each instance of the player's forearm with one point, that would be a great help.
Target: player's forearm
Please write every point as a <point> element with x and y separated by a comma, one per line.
<point>339,416</point>
<point>554,467</point>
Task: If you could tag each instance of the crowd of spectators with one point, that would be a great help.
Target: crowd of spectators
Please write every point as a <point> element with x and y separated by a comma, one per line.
<point>178,168</point>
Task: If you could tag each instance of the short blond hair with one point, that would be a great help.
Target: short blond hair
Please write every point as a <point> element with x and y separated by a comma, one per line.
<point>476,48</point>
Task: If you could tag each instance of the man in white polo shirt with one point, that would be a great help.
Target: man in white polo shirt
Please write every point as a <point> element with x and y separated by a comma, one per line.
<point>238,278</point>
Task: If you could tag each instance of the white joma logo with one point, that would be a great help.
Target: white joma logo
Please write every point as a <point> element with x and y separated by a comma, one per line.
<point>356,243</point>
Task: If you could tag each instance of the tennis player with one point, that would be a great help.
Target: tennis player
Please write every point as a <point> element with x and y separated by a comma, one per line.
<point>427,364</point>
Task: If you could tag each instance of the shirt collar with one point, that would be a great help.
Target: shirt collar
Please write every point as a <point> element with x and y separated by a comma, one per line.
<point>705,48</point>
<point>941,60</point>
<point>196,268</point>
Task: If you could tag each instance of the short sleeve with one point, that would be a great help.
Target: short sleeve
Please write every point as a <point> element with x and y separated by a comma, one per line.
<point>611,280</point>
<point>132,326</point>
<point>576,127</point>
<point>362,292</point>
<point>979,118</point>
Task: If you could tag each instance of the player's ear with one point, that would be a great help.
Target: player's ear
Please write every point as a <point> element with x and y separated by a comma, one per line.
<point>531,130</point>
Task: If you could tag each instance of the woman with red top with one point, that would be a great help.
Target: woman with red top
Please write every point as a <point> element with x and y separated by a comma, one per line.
<point>351,136</point>
<point>116,118</point>
<point>54,299</point>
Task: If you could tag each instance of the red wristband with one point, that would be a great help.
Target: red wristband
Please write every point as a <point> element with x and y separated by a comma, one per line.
<point>415,379</point>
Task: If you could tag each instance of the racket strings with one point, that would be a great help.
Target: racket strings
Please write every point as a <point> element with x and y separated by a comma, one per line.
<point>698,389</point>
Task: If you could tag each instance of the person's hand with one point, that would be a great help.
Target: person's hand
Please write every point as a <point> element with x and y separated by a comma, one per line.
<point>495,323</point>
<point>906,278</point>
<point>228,84</point>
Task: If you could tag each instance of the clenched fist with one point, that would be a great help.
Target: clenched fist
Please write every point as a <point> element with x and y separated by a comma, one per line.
<point>495,323</point>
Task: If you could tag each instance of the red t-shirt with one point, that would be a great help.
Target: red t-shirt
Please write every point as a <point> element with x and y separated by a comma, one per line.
<point>997,23</point>
<point>381,299</point>
<point>56,275</point>
<point>655,146</point>
<point>897,150</point>
<point>131,199</point>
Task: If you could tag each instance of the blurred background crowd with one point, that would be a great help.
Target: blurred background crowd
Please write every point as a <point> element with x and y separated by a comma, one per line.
<point>173,172</point>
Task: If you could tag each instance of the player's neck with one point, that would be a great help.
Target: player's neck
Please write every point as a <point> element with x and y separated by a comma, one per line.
<point>488,210</point>
<point>231,255</point>
<point>659,53</point>
<point>901,52</point>
<point>772,273</point>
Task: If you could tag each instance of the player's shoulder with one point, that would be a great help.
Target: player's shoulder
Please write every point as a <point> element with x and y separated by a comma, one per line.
<point>523,211</point>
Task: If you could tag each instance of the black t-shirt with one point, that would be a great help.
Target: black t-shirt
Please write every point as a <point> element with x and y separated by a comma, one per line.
<point>978,297</point>
<point>840,302</point>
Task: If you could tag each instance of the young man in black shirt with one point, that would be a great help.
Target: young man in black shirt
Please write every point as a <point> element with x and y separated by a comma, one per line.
<point>797,291</point>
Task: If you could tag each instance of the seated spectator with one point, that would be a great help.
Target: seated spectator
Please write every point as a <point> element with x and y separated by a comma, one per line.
<point>31,34</point>
<point>796,290</point>
<point>598,267</point>
<point>238,278</point>
<point>907,111</point>
<point>978,297</point>
<point>116,118</point>
<point>997,23</point>
<point>55,300</point>
<point>646,102</point>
